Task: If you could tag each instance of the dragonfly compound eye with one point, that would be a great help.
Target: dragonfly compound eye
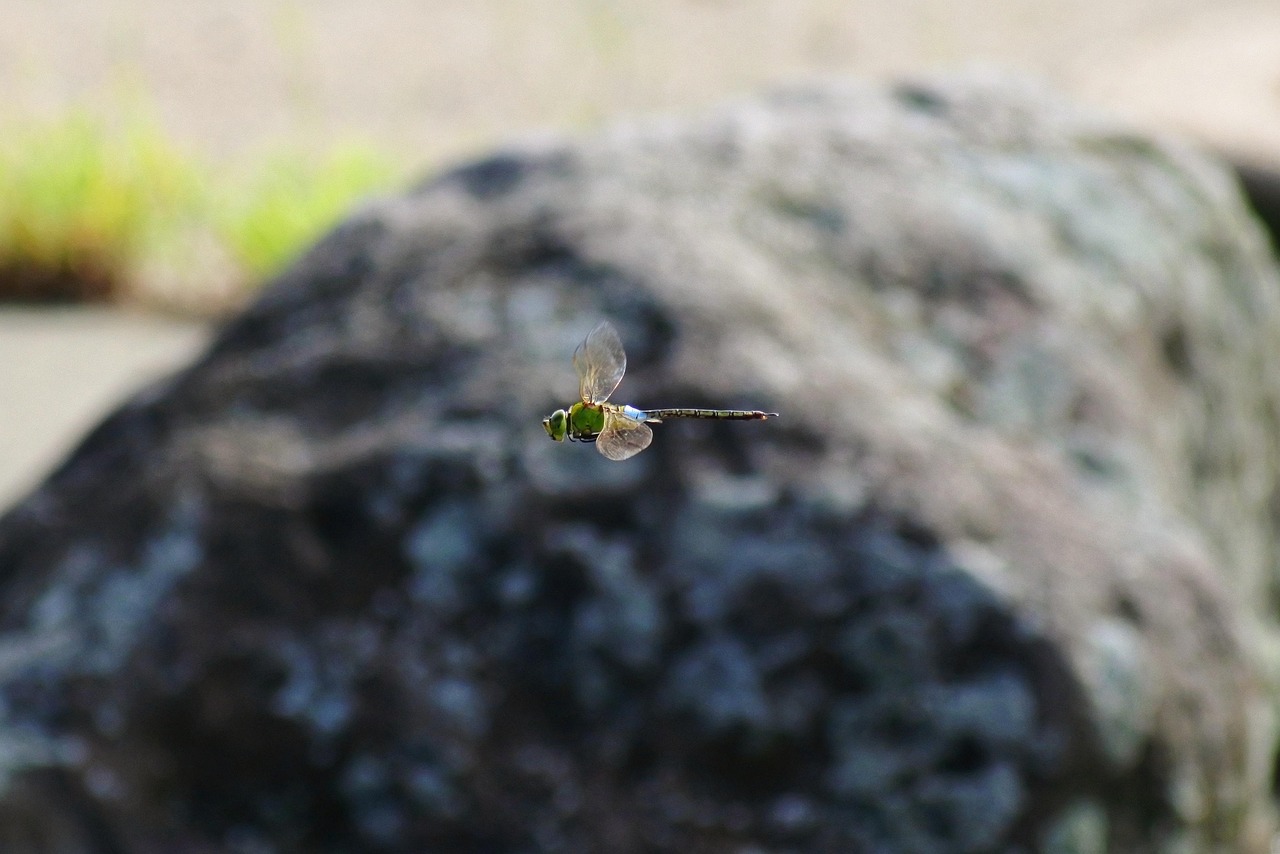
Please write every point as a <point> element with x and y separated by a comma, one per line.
<point>556,424</point>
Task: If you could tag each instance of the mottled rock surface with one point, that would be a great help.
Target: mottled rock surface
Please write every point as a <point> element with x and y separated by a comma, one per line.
<point>998,580</point>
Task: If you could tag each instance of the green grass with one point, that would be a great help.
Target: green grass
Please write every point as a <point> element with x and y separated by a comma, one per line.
<point>90,209</point>
<point>287,201</point>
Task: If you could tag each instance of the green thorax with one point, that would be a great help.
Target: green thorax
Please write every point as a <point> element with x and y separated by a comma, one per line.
<point>585,420</point>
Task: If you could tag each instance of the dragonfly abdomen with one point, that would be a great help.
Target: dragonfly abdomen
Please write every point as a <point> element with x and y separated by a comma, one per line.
<point>725,414</point>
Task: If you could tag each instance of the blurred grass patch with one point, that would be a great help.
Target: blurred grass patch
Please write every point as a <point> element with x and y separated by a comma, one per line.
<point>91,210</point>
<point>286,201</point>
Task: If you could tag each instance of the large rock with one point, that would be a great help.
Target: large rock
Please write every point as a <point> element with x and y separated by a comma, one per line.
<point>997,579</point>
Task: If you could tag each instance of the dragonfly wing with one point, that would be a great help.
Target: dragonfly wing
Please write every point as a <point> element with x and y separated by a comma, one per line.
<point>622,437</point>
<point>600,363</point>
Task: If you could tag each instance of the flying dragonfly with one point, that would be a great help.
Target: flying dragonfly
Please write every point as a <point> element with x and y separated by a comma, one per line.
<point>619,431</point>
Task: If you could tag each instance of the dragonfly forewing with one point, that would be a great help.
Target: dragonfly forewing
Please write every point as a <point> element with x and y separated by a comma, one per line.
<point>600,363</point>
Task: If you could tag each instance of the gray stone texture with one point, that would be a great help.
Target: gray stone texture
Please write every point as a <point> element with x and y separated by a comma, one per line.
<point>998,580</point>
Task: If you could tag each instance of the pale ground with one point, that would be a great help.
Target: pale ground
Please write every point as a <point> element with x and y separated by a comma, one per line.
<point>61,371</point>
<point>438,80</point>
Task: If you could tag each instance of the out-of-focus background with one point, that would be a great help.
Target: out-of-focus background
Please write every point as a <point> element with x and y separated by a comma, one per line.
<point>158,159</point>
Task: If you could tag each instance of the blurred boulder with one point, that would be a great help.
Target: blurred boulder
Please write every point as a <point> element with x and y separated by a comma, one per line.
<point>1261,184</point>
<point>998,580</point>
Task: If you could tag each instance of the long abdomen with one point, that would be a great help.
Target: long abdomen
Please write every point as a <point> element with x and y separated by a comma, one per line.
<point>727,414</point>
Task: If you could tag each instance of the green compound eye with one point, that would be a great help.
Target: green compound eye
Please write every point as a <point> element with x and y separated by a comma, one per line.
<point>556,424</point>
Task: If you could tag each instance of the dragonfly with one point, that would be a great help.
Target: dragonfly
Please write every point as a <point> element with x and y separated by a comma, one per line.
<point>618,431</point>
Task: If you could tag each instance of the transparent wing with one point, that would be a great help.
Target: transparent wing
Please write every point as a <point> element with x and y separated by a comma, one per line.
<point>600,363</point>
<point>621,437</point>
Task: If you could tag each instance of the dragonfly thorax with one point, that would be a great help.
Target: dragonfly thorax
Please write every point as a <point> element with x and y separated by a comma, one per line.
<point>581,422</point>
<point>585,421</point>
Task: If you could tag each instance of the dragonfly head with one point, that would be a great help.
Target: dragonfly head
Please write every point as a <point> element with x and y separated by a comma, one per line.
<point>556,424</point>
